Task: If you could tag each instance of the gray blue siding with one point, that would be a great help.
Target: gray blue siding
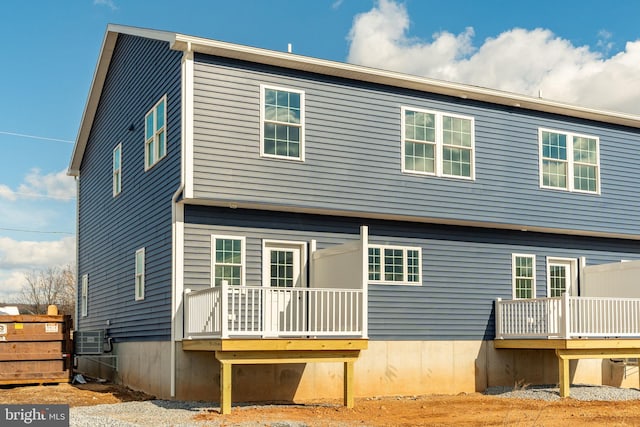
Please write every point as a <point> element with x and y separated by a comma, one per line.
<point>464,269</point>
<point>112,229</point>
<point>353,156</point>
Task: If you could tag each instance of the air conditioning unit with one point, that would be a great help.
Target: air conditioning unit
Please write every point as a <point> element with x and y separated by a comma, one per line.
<point>89,342</point>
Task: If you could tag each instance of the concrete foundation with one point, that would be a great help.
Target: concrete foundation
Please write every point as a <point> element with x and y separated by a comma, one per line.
<point>386,368</point>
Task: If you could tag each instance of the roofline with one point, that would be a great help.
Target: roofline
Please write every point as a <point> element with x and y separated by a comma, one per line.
<point>97,84</point>
<point>186,43</point>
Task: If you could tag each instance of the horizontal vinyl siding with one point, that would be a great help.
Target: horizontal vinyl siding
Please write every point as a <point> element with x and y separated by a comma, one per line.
<point>464,269</point>
<point>353,156</point>
<point>112,229</point>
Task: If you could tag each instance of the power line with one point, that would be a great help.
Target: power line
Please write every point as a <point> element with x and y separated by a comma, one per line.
<point>24,135</point>
<point>35,231</point>
<point>41,196</point>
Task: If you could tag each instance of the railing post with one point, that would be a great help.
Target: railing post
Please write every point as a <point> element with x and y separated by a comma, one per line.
<point>224,309</point>
<point>499,331</point>
<point>566,322</point>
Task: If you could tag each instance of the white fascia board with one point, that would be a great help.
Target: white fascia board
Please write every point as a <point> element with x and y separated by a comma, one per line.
<point>392,78</point>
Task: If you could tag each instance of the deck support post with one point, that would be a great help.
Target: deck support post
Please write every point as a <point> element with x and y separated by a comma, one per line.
<point>225,387</point>
<point>349,400</point>
<point>564,374</point>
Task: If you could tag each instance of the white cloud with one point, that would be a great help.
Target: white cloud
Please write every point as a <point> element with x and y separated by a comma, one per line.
<point>55,185</point>
<point>16,254</point>
<point>519,60</point>
<point>7,193</point>
<point>20,257</point>
<point>109,3</point>
<point>11,283</point>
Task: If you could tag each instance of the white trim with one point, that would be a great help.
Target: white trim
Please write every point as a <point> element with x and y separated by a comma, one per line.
<point>285,244</point>
<point>438,143</point>
<point>405,280</point>
<point>364,241</point>
<point>301,156</point>
<point>570,161</point>
<point>513,274</point>
<point>188,105</point>
<point>84,295</point>
<point>573,270</point>
<point>139,296</point>
<point>156,132</point>
<point>113,183</point>
<point>243,253</point>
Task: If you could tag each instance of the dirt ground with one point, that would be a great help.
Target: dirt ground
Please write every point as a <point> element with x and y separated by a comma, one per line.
<point>471,409</point>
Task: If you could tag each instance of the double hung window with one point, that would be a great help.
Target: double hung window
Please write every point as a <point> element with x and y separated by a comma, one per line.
<point>155,131</point>
<point>282,123</point>
<point>569,161</point>
<point>435,143</point>
<point>228,256</point>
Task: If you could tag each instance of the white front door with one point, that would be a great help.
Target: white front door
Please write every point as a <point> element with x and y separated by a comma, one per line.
<point>284,271</point>
<point>561,277</point>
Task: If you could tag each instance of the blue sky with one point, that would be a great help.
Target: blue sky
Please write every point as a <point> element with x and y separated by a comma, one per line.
<point>585,52</point>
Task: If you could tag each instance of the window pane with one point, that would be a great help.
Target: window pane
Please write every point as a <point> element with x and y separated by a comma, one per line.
<point>524,275</point>
<point>584,178</point>
<point>554,146</point>
<point>162,145</point>
<point>584,150</point>
<point>393,265</point>
<point>456,161</point>
<point>456,131</point>
<point>413,266</point>
<point>374,263</point>
<point>160,116</point>
<point>149,130</point>
<point>419,157</point>
<point>420,126</point>
<point>554,174</point>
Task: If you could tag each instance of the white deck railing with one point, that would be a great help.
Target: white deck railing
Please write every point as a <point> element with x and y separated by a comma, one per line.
<point>255,311</point>
<point>568,317</point>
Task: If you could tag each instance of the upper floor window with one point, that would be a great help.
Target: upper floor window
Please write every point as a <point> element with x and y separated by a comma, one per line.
<point>139,281</point>
<point>228,253</point>
<point>282,123</point>
<point>523,271</point>
<point>155,131</point>
<point>569,161</point>
<point>439,144</point>
<point>395,264</point>
<point>117,170</point>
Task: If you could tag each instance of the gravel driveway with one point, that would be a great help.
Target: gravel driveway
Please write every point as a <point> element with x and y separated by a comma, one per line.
<point>180,413</point>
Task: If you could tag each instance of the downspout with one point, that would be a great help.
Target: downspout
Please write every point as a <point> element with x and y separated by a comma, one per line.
<point>185,138</point>
<point>75,294</point>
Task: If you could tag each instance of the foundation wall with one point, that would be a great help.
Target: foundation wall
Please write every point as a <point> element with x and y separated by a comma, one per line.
<point>386,368</point>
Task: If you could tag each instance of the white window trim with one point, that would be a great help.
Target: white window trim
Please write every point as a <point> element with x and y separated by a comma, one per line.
<point>405,281</point>
<point>140,296</point>
<point>439,143</point>
<point>302,123</point>
<point>156,159</point>
<point>573,285</point>
<point>117,176</point>
<point>243,252</point>
<point>84,295</point>
<point>570,162</point>
<point>513,274</point>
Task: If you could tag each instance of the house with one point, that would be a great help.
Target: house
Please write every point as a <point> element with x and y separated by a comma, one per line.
<point>240,207</point>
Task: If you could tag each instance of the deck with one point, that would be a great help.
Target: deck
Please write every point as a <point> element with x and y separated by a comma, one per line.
<point>575,327</point>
